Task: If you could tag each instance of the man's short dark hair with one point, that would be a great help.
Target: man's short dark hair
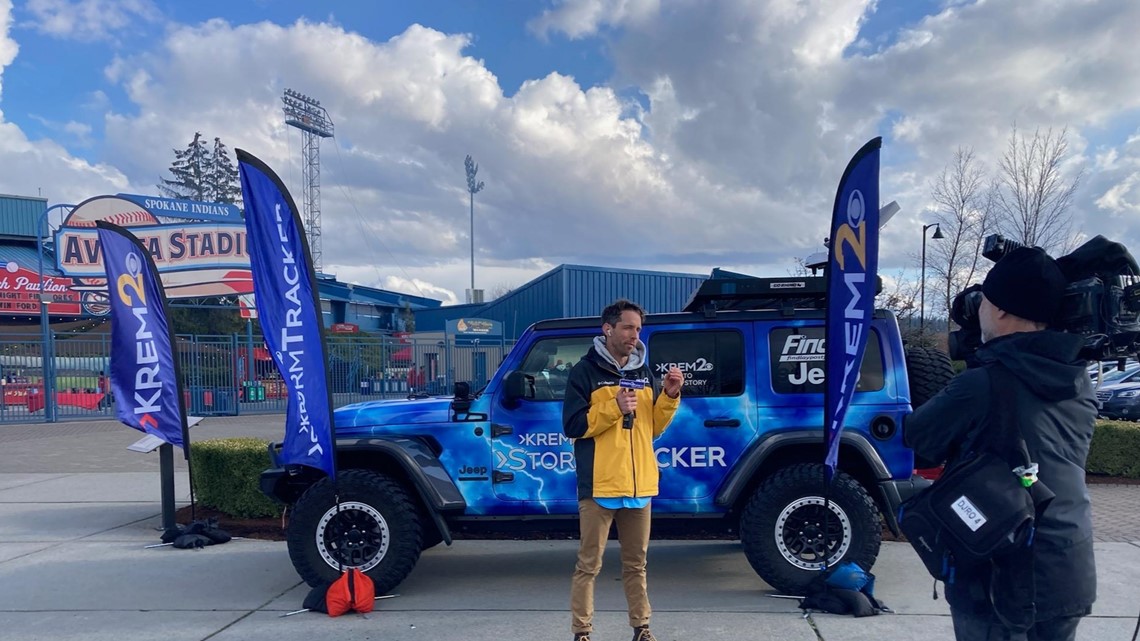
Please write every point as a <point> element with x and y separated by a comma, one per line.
<point>612,315</point>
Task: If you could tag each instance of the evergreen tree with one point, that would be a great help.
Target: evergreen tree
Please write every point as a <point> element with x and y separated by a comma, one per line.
<point>223,177</point>
<point>206,175</point>
<point>190,169</point>
<point>203,174</point>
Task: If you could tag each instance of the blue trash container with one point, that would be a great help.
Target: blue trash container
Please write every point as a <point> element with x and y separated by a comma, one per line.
<point>225,401</point>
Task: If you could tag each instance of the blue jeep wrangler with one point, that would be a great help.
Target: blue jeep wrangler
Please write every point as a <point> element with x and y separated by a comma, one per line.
<point>743,452</point>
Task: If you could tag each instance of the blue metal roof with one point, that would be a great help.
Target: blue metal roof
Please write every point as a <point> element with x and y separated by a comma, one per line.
<point>433,320</point>
<point>571,291</point>
<point>19,215</point>
<point>25,256</point>
<point>332,289</point>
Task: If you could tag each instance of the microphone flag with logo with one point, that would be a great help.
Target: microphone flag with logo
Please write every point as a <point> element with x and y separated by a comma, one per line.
<point>852,279</point>
<point>144,372</point>
<point>285,292</point>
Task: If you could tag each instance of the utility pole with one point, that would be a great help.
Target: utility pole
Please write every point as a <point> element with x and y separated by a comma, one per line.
<point>922,300</point>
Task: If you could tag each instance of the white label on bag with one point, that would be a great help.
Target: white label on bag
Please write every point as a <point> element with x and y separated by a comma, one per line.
<point>970,515</point>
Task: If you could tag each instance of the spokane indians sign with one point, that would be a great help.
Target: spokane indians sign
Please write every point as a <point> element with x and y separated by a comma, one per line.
<point>199,248</point>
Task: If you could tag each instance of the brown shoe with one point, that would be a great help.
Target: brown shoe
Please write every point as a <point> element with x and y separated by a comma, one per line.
<point>643,634</point>
<point>581,636</point>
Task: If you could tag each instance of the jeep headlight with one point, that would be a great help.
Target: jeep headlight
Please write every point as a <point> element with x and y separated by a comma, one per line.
<point>1129,394</point>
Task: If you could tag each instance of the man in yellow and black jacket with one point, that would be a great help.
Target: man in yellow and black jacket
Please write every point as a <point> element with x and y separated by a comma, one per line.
<point>613,426</point>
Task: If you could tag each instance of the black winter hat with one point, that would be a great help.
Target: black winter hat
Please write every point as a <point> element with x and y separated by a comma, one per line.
<point>1027,283</point>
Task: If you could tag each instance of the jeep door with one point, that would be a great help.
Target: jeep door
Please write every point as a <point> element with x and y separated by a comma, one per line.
<point>716,420</point>
<point>533,461</point>
<point>792,393</point>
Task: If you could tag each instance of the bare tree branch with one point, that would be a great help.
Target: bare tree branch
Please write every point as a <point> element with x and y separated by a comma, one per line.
<point>964,203</point>
<point>1032,196</point>
<point>502,289</point>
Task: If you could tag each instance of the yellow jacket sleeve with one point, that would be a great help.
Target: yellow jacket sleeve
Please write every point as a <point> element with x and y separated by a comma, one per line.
<point>663,411</point>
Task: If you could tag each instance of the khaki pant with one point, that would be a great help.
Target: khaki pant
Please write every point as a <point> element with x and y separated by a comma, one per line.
<point>633,534</point>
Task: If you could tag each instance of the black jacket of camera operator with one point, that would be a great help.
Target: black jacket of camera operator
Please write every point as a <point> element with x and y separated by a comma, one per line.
<point>1055,404</point>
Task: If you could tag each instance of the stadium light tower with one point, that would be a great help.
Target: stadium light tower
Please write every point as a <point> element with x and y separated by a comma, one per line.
<point>313,120</point>
<point>473,187</point>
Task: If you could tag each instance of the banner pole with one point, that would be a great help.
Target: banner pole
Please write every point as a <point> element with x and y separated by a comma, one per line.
<point>851,275</point>
<point>166,473</point>
<point>153,376</point>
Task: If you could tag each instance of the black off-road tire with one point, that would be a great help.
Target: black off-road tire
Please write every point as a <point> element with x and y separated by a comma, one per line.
<point>928,370</point>
<point>377,529</point>
<point>770,527</point>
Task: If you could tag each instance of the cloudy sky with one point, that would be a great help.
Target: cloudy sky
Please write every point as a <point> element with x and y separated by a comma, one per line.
<point>678,135</point>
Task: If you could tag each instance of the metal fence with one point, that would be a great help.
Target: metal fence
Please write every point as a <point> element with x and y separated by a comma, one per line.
<point>234,374</point>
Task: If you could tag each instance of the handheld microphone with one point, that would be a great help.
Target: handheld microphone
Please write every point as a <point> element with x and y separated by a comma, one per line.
<point>633,384</point>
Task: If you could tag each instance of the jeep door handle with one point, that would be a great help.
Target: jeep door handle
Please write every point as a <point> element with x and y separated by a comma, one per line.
<point>498,430</point>
<point>722,422</point>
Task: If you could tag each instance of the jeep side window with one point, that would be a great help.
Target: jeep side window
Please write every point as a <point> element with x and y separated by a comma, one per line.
<point>796,361</point>
<point>549,362</point>
<point>712,362</point>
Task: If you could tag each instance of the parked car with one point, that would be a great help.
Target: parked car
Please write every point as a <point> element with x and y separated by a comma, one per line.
<point>744,451</point>
<point>1112,373</point>
<point>1121,400</point>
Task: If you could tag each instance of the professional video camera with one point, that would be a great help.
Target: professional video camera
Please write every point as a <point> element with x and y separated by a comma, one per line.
<point>1102,300</point>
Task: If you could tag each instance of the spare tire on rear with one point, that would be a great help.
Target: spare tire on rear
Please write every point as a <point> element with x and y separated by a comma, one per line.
<point>928,370</point>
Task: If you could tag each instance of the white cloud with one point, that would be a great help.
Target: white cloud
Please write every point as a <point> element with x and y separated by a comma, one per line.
<point>78,132</point>
<point>569,176</point>
<point>44,166</point>
<point>754,109</point>
<point>581,18</point>
<point>1118,182</point>
<point>757,95</point>
<point>90,20</point>
<point>8,46</point>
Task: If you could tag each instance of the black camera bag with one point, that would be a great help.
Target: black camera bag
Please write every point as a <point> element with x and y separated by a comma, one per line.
<point>978,509</point>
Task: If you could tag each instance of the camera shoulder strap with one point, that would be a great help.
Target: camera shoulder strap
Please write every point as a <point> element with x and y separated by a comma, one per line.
<point>1007,437</point>
<point>1010,442</point>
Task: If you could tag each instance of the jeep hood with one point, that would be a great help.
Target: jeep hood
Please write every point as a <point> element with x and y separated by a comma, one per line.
<point>393,412</point>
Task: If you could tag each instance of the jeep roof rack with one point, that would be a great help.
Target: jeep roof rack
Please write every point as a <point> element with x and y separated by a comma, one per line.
<point>750,293</point>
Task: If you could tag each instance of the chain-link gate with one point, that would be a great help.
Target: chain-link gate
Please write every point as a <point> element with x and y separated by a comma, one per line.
<point>208,365</point>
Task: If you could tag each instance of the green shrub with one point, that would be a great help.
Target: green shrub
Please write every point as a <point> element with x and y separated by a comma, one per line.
<point>226,475</point>
<point>1115,449</point>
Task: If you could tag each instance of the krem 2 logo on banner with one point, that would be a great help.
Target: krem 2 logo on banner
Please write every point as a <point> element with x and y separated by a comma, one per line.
<point>144,372</point>
<point>285,292</point>
<point>852,279</point>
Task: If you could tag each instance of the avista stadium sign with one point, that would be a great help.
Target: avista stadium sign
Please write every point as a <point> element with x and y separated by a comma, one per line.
<point>200,249</point>
<point>174,248</point>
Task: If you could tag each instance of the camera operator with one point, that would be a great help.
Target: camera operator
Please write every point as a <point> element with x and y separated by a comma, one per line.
<point>1054,583</point>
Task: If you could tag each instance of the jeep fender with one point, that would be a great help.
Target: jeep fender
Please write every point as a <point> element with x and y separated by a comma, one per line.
<point>742,475</point>
<point>420,466</point>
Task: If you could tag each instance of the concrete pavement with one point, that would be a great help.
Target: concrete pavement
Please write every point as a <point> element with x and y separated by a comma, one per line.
<point>73,566</point>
